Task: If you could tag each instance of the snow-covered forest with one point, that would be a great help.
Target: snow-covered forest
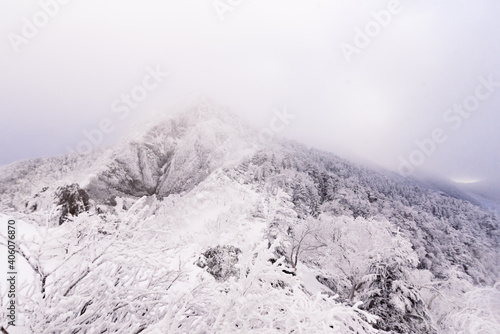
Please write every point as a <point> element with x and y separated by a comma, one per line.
<point>195,226</point>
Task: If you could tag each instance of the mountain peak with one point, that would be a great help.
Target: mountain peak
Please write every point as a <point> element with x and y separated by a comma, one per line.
<point>200,113</point>
<point>162,157</point>
<point>178,152</point>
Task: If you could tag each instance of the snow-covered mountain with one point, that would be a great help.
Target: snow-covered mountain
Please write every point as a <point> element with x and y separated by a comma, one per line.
<point>194,226</point>
<point>171,157</point>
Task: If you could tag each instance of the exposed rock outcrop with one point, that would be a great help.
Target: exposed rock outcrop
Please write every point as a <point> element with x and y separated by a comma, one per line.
<point>220,262</point>
<point>73,201</point>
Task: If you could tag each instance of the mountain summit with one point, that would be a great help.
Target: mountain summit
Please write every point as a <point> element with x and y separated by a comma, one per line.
<point>176,154</point>
<point>171,156</point>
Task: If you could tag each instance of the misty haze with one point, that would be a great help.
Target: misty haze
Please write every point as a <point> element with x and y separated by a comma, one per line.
<point>233,166</point>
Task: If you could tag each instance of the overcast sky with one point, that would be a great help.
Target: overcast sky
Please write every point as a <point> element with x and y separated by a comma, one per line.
<point>359,84</point>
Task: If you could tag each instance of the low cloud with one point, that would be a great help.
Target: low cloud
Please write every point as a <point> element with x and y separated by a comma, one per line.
<point>373,106</point>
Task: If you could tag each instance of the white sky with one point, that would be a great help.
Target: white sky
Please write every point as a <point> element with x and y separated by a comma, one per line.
<point>266,54</point>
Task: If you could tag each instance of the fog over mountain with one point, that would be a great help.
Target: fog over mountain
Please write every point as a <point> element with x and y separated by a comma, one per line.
<point>370,100</point>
